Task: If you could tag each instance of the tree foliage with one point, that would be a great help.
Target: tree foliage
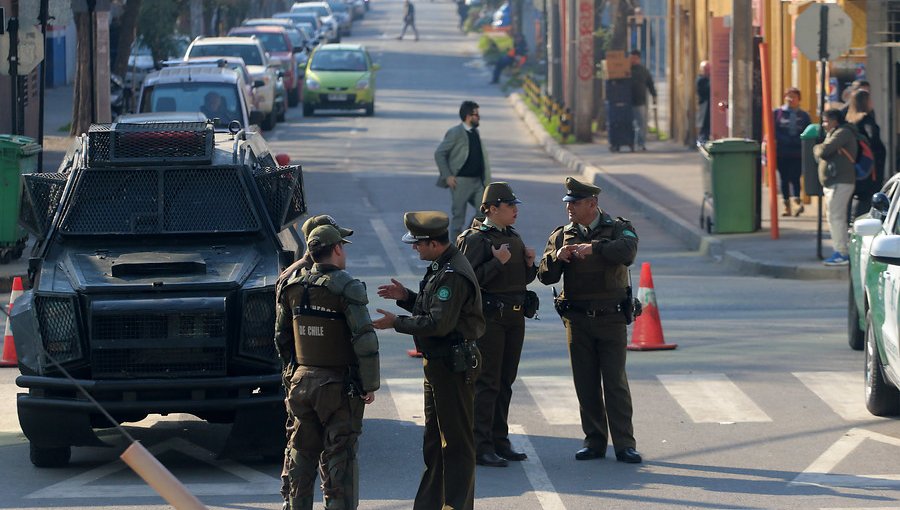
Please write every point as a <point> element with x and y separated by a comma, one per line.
<point>156,26</point>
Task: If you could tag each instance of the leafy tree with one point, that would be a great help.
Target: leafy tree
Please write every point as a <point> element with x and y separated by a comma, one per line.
<point>156,23</point>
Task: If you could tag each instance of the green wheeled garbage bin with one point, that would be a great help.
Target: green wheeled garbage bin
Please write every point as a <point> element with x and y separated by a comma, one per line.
<point>730,186</point>
<point>18,155</point>
<point>808,138</point>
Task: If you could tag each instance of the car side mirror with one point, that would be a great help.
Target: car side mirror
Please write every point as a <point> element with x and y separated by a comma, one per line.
<point>886,249</point>
<point>867,226</point>
<point>880,204</point>
<point>258,83</point>
<point>376,67</point>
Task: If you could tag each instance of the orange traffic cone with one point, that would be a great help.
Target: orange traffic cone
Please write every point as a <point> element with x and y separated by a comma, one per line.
<point>9,358</point>
<point>647,334</point>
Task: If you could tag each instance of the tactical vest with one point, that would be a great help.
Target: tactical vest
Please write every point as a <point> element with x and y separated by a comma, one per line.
<point>592,279</point>
<point>321,333</point>
<point>511,276</point>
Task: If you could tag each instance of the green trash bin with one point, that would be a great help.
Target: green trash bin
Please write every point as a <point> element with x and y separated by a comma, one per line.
<point>808,138</point>
<point>730,186</point>
<point>18,155</point>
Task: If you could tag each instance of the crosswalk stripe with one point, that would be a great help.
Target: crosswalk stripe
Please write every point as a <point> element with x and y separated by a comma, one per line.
<point>843,392</point>
<point>712,398</point>
<point>409,399</point>
<point>555,397</point>
<point>534,470</point>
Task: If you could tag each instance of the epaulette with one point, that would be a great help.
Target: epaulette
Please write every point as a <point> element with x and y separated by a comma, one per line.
<point>623,219</point>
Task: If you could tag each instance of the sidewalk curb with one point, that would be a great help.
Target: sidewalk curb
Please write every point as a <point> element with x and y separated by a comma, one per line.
<point>693,237</point>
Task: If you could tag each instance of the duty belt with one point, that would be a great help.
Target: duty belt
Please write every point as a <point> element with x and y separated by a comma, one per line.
<point>591,311</point>
<point>442,351</point>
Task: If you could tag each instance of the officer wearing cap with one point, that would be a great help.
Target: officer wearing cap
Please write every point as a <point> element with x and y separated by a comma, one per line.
<point>445,320</point>
<point>592,254</point>
<point>504,266</point>
<point>324,328</point>
<point>301,264</point>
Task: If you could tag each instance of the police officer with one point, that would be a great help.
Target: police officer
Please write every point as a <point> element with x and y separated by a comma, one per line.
<point>303,263</point>
<point>323,327</point>
<point>446,319</point>
<point>592,254</point>
<point>504,266</point>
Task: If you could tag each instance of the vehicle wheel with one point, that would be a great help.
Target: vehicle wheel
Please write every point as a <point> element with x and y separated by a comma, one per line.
<point>50,457</point>
<point>294,97</point>
<point>282,109</point>
<point>271,119</point>
<point>882,399</point>
<point>856,337</point>
<point>307,110</point>
<point>370,109</point>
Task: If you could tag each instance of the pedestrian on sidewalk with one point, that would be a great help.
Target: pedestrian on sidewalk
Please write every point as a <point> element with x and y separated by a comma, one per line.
<point>859,113</point>
<point>462,9</point>
<point>463,164</point>
<point>592,254</point>
<point>641,84</point>
<point>836,157</point>
<point>445,320</point>
<point>790,121</point>
<point>409,19</point>
<point>504,266</point>
<point>703,103</point>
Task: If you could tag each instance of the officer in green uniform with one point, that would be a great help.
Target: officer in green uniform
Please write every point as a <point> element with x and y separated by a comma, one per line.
<point>324,328</point>
<point>592,254</point>
<point>303,263</point>
<point>504,266</point>
<point>446,319</point>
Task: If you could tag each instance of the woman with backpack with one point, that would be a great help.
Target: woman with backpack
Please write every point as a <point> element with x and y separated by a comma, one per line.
<point>790,121</point>
<point>836,157</point>
<point>859,113</point>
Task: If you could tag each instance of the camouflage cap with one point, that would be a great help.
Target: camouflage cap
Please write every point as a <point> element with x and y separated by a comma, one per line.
<point>423,225</point>
<point>576,190</point>
<point>325,235</point>
<point>497,192</point>
<point>323,219</point>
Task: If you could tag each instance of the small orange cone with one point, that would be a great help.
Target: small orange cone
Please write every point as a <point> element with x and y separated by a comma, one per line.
<point>9,358</point>
<point>647,334</point>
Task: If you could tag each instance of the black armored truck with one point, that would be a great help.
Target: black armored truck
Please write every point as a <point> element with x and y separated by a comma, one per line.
<point>153,284</point>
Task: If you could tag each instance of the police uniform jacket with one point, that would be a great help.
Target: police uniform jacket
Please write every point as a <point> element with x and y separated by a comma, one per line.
<point>498,280</point>
<point>601,278</point>
<point>323,321</point>
<point>447,308</point>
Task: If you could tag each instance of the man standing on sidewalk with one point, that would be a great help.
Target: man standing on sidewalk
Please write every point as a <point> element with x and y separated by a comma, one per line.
<point>592,254</point>
<point>463,163</point>
<point>641,83</point>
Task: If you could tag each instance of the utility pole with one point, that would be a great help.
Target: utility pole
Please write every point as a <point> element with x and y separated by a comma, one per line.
<point>740,100</point>
<point>583,72</point>
<point>554,62</point>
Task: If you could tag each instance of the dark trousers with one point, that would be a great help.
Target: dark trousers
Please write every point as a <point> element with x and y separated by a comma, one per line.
<point>597,354</point>
<point>448,447</point>
<point>789,169</point>
<point>411,24</point>
<point>501,348</point>
<point>502,63</point>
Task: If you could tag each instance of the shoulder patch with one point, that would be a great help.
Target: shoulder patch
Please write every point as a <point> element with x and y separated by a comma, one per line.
<point>629,233</point>
<point>444,293</point>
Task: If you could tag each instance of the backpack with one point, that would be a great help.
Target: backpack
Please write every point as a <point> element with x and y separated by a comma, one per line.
<point>864,164</point>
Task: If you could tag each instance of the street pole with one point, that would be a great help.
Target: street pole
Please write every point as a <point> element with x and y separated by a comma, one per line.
<point>740,100</point>
<point>823,61</point>
<point>571,51</point>
<point>13,29</point>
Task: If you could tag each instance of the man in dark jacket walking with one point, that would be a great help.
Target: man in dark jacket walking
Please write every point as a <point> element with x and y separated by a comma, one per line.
<point>641,83</point>
<point>409,19</point>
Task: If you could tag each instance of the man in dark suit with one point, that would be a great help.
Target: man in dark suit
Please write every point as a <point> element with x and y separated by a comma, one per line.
<point>463,163</point>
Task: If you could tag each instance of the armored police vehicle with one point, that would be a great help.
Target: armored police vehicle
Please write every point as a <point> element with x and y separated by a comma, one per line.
<point>153,285</point>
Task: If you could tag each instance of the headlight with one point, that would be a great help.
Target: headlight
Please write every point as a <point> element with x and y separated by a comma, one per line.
<point>362,84</point>
<point>59,328</point>
<point>257,319</point>
<point>312,84</point>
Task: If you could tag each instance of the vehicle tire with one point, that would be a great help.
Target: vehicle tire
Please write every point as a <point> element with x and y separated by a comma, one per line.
<point>294,97</point>
<point>856,337</point>
<point>282,109</point>
<point>271,119</point>
<point>882,399</point>
<point>370,109</point>
<point>50,457</point>
<point>307,110</point>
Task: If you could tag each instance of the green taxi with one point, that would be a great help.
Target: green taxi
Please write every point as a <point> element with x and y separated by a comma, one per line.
<point>873,312</point>
<point>340,77</point>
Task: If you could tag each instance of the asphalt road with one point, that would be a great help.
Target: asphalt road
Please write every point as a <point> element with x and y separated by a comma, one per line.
<point>760,406</point>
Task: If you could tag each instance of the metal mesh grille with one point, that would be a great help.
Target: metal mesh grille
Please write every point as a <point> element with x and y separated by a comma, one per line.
<point>131,201</point>
<point>282,192</point>
<point>163,362</point>
<point>256,326</point>
<point>59,327</point>
<point>151,143</point>
<point>41,197</point>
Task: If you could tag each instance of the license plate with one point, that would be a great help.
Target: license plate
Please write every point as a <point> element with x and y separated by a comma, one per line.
<point>337,97</point>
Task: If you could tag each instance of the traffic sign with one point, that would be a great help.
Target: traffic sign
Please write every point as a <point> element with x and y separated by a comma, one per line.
<point>808,32</point>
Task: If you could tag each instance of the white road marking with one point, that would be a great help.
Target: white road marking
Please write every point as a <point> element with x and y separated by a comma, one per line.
<point>534,470</point>
<point>555,398</point>
<point>844,392</point>
<point>712,398</point>
<point>409,399</point>
<point>819,472</point>
<point>390,247</point>
<point>84,486</point>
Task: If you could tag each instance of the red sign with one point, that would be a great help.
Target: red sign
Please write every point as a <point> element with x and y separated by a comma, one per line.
<point>585,40</point>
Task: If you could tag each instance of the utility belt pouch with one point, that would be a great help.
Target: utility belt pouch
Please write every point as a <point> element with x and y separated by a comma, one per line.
<point>459,358</point>
<point>531,305</point>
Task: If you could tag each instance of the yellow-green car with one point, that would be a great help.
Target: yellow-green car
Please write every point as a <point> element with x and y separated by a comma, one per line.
<point>340,77</point>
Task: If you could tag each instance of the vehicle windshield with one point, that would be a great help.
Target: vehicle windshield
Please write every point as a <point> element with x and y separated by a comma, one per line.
<point>248,52</point>
<point>215,100</point>
<point>339,6</point>
<point>319,10</point>
<point>339,60</point>
<point>272,42</point>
